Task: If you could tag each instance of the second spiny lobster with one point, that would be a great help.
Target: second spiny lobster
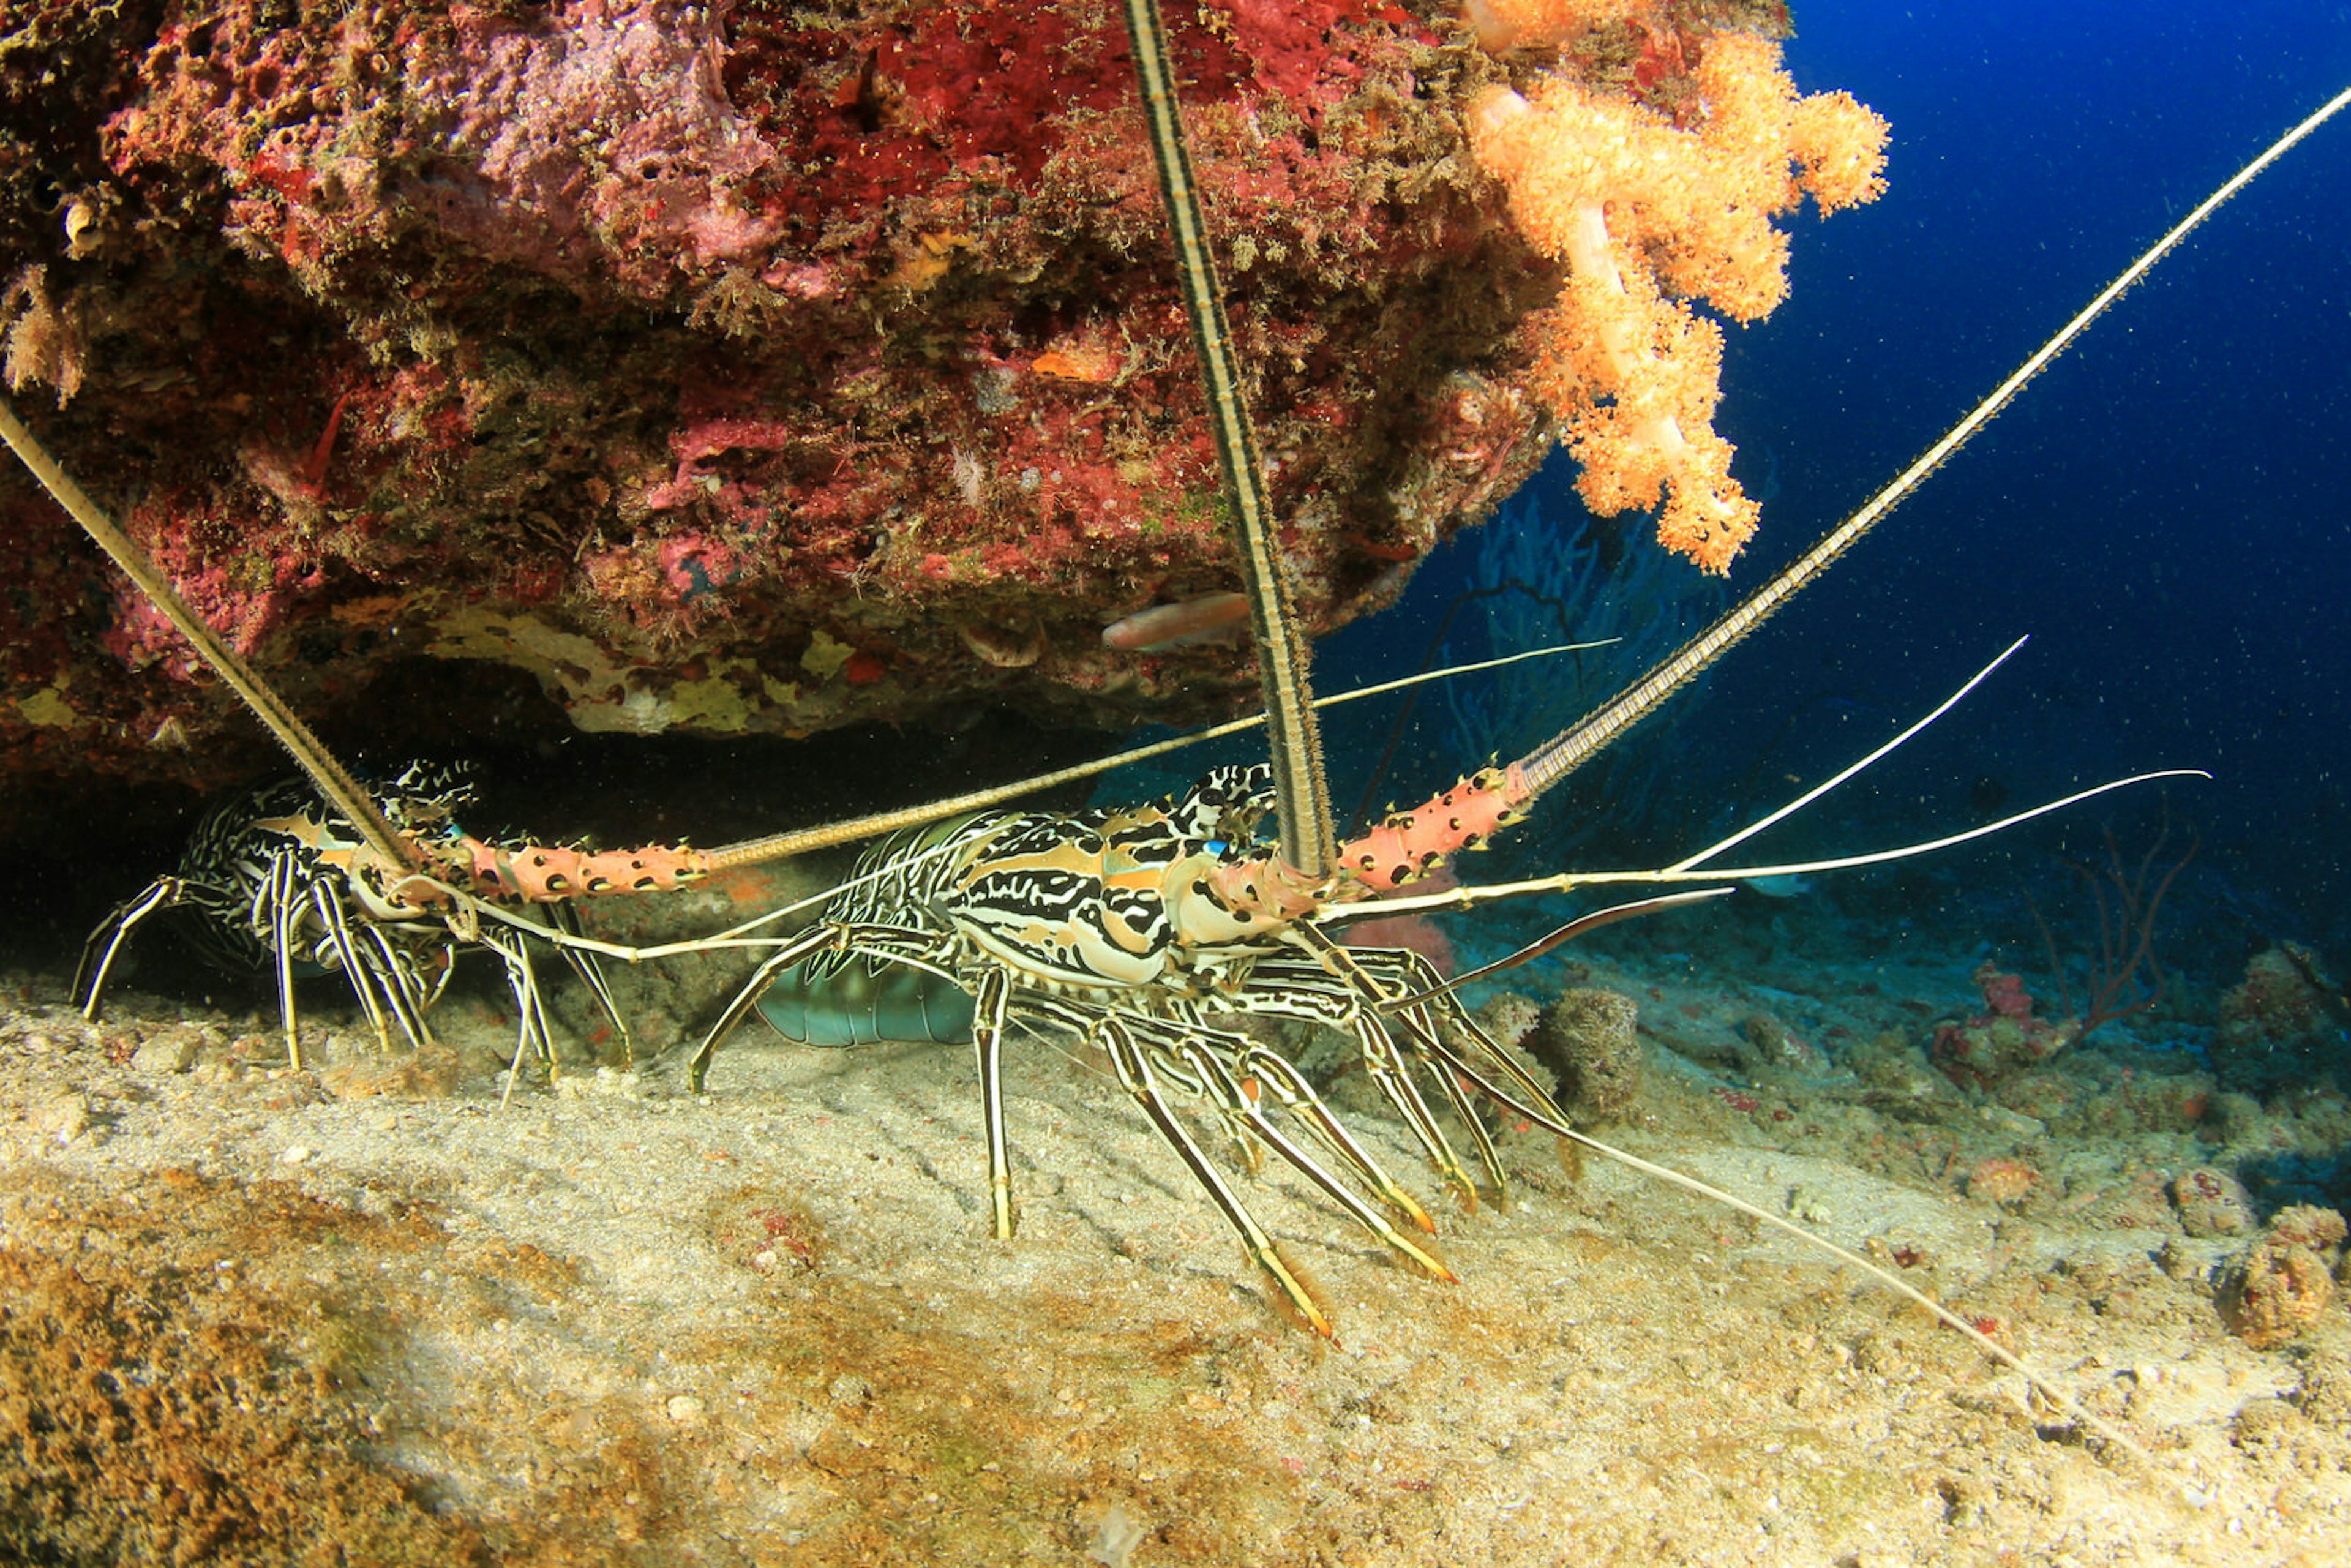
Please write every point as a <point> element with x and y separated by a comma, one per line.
<point>287,883</point>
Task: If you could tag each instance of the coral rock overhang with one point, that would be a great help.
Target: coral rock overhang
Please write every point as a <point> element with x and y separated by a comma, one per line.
<point>726,370</point>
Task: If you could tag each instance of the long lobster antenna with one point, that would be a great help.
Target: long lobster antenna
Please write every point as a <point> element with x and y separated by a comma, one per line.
<point>1555,758</point>
<point>1301,792</point>
<point>831,835</point>
<point>333,781</point>
<point>1883,1275</point>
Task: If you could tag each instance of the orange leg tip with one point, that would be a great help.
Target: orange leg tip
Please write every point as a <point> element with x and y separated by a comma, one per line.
<point>1295,1295</point>
<point>1431,1262</point>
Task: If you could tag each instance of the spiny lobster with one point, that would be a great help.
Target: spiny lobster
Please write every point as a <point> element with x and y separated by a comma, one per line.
<point>1147,930</point>
<point>379,882</point>
<point>286,884</point>
<point>1239,920</point>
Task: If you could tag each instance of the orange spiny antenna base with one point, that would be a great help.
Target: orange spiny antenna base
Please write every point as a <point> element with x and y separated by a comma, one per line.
<point>1408,844</point>
<point>538,873</point>
<point>1405,847</point>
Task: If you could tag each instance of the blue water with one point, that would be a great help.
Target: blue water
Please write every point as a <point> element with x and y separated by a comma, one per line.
<point>2166,510</point>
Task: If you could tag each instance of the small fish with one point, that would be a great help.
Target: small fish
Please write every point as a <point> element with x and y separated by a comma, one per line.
<point>1212,617</point>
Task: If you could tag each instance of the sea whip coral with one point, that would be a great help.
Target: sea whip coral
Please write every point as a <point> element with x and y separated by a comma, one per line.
<point>1648,213</point>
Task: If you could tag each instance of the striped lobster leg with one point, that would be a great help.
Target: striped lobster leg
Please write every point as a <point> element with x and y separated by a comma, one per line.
<point>284,887</point>
<point>1234,1075</point>
<point>991,1005</point>
<point>1265,1071</point>
<point>1402,1013</point>
<point>564,919</point>
<point>1293,1293</point>
<point>929,951</point>
<point>531,1026</point>
<point>1151,1055</point>
<point>105,943</point>
<point>384,975</point>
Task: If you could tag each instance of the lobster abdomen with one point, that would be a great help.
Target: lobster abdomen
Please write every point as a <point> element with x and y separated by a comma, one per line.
<point>863,1006</point>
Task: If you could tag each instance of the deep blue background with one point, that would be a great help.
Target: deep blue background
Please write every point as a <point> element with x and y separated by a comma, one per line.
<point>2166,510</point>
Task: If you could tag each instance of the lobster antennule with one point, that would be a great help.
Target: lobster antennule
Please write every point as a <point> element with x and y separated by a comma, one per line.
<point>1409,843</point>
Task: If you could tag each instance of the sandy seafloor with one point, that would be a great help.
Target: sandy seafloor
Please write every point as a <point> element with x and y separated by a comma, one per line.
<point>260,1315</point>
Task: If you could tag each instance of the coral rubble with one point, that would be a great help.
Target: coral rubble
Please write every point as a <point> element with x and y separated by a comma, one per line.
<point>2284,1024</point>
<point>1999,1042</point>
<point>2275,1294</point>
<point>1588,1037</point>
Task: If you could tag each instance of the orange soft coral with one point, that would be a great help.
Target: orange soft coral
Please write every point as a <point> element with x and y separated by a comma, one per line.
<point>1647,214</point>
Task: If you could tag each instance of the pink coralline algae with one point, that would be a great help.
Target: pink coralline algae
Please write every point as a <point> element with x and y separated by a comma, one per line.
<point>726,369</point>
<point>603,147</point>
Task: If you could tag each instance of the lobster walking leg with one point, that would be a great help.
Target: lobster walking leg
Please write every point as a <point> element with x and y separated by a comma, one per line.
<point>1225,1069</point>
<point>564,919</point>
<point>1331,988</point>
<point>1380,991</point>
<point>1276,1075</point>
<point>289,900</point>
<point>1293,1293</point>
<point>991,1003</point>
<point>928,951</point>
<point>531,1026</point>
<point>96,961</point>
